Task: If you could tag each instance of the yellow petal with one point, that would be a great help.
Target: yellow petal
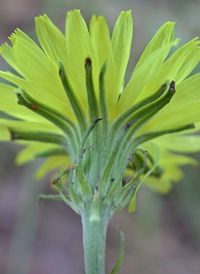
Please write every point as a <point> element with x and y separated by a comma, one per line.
<point>40,94</point>
<point>185,144</point>
<point>100,37</point>
<point>37,67</point>
<point>29,152</point>
<point>121,46</point>
<point>79,47</point>
<point>52,163</point>
<point>184,108</point>
<point>170,69</point>
<point>51,39</point>
<point>149,63</point>
<point>163,37</point>
<point>6,53</point>
<point>10,106</point>
<point>4,133</point>
<point>138,81</point>
<point>170,159</point>
<point>24,126</point>
<point>159,185</point>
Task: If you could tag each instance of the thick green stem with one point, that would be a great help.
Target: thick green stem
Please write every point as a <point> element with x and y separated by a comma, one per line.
<point>94,241</point>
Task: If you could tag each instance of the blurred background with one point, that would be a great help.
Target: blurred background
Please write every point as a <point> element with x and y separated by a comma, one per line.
<point>162,236</point>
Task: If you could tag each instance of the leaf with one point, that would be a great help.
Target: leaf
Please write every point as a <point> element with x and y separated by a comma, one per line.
<point>116,269</point>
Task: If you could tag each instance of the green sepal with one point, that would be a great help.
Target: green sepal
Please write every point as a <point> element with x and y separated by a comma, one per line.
<point>118,122</point>
<point>58,181</point>
<point>144,115</point>
<point>93,113</point>
<point>76,199</point>
<point>46,137</point>
<point>85,188</point>
<point>105,176</point>
<point>118,264</point>
<point>91,97</point>
<point>133,183</point>
<point>59,197</point>
<point>55,197</point>
<point>155,105</point>
<point>104,113</point>
<point>67,200</point>
<point>155,152</point>
<point>115,186</point>
<point>74,101</point>
<point>94,213</point>
<point>47,108</point>
<point>122,205</point>
<point>89,131</point>
<point>151,135</point>
<point>51,152</point>
<point>27,101</point>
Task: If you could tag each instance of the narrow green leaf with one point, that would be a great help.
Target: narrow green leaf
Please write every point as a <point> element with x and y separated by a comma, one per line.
<point>116,269</point>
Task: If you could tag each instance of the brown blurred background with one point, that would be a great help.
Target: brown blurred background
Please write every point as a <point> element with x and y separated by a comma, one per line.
<point>162,236</point>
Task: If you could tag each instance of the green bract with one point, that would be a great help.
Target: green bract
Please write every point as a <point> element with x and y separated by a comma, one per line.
<point>71,105</point>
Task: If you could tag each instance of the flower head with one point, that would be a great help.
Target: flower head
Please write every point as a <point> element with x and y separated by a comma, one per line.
<point>70,104</point>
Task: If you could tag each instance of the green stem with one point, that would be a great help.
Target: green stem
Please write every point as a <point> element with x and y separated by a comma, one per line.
<point>94,240</point>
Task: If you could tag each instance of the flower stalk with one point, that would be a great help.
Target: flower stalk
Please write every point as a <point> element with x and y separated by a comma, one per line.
<point>94,223</point>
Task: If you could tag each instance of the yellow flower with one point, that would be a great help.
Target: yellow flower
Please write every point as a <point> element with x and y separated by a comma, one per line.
<point>74,107</point>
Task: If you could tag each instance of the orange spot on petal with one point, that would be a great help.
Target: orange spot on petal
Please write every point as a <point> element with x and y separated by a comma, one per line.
<point>33,106</point>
